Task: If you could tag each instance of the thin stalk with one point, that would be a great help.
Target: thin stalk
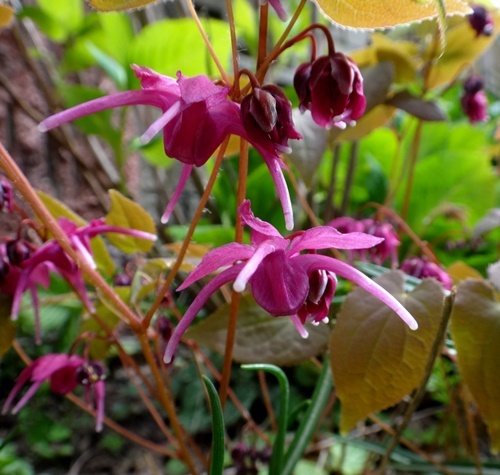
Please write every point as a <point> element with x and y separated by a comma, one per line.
<point>263,23</point>
<point>469,422</point>
<point>353,160</point>
<point>235,297</point>
<point>108,422</point>
<point>234,46</point>
<point>210,48</point>
<point>420,392</point>
<point>330,195</point>
<point>267,399</point>
<point>17,177</point>
<point>175,268</point>
<point>411,170</point>
<point>166,401</point>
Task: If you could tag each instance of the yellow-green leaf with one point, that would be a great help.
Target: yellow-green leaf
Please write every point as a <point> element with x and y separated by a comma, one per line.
<point>260,338</point>
<point>370,14</point>
<point>7,327</point>
<point>475,326</point>
<point>127,214</point>
<point>376,359</point>
<point>462,48</point>
<point>118,5</point>
<point>59,210</point>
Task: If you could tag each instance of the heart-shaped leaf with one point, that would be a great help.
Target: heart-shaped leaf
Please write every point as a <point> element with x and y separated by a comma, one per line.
<point>376,359</point>
<point>260,338</point>
<point>475,326</point>
<point>369,14</point>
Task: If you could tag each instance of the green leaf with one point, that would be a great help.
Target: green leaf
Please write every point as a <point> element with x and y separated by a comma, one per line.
<point>68,14</point>
<point>475,326</point>
<point>99,251</point>
<point>260,338</point>
<point>113,68</point>
<point>127,214</point>
<point>376,359</point>
<point>174,45</point>
<point>217,458</point>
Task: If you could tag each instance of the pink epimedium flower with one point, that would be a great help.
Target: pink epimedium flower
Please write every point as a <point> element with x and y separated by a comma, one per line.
<point>25,274</point>
<point>64,373</point>
<point>379,253</point>
<point>283,281</point>
<point>422,268</point>
<point>474,101</point>
<point>196,117</point>
<point>331,87</point>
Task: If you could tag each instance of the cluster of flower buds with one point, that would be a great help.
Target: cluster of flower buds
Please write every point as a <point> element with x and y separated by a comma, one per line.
<point>474,101</point>
<point>65,373</point>
<point>481,20</point>
<point>422,268</point>
<point>387,249</point>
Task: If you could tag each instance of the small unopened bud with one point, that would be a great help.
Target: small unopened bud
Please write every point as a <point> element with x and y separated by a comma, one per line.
<point>6,195</point>
<point>18,250</point>
<point>481,20</point>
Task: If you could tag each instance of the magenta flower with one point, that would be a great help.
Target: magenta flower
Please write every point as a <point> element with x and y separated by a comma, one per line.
<point>481,20</point>
<point>267,114</point>
<point>379,253</point>
<point>422,268</point>
<point>331,87</point>
<point>283,281</point>
<point>34,269</point>
<point>64,373</point>
<point>474,101</point>
<point>196,118</point>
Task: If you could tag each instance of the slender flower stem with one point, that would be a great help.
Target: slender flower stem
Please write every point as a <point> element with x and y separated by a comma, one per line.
<point>420,392</point>
<point>175,268</point>
<point>234,46</point>
<point>263,22</point>
<point>29,194</point>
<point>353,160</point>
<point>210,48</point>
<point>166,401</point>
<point>235,297</point>
<point>411,170</point>
<point>267,400</point>
<point>108,422</point>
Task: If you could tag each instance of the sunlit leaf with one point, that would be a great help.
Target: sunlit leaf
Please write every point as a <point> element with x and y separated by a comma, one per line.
<point>463,47</point>
<point>260,338</point>
<point>117,5</point>
<point>127,214</point>
<point>376,360</point>
<point>475,326</point>
<point>99,251</point>
<point>459,271</point>
<point>386,13</point>
<point>7,327</point>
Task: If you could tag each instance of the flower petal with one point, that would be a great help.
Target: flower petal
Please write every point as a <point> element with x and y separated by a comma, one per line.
<point>185,174</point>
<point>261,231</point>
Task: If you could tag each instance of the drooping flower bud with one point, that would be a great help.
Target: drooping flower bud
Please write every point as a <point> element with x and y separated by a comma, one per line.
<point>331,87</point>
<point>267,113</point>
<point>18,250</point>
<point>474,101</point>
<point>422,268</point>
<point>481,20</point>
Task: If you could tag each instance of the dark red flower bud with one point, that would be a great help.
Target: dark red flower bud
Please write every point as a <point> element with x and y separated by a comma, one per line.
<point>4,270</point>
<point>268,112</point>
<point>481,21</point>
<point>164,328</point>
<point>6,195</point>
<point>331,87</point>
<point>122,280</point>
<point>474,101</point>
<point>18,250</point>
<point>322,286</point>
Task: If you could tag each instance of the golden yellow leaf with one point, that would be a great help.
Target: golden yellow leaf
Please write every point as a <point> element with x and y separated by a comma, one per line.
<point>375,358</point>
<point>6,15</point>
<point>460,271</point>
<point>117,5</point>
<point>369,14</point>
<point>462,48</point>
<point>475,326</point>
